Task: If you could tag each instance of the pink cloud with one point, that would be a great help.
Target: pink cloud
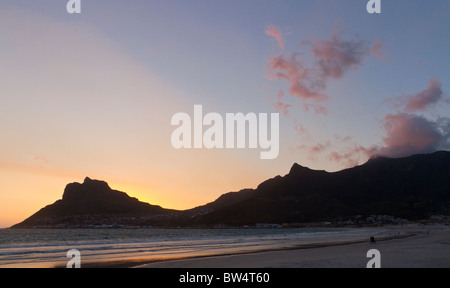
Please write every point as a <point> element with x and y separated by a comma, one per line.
<point>302,81</point>
<point>315,150</point>
<point>273,31</point>
<point>421,101</point>
<point>378,49</point>
<point>409,134</point>
<point>337,56</point>
<point>280,106</point>
<point>300,128</point>
<point>320,147</point>
<point>353,155</point>
<point>40,159</point>
<point>345,158</point>
<point>342,139</point>
<point>318,109</point>
<point>331,60</point>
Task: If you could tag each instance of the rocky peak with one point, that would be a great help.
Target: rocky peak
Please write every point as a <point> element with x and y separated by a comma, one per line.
<point>297,169</point>
<point>88,189</point>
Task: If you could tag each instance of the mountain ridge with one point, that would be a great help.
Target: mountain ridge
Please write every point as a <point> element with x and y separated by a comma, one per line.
<point>91,203</point>
<point>414,187</point>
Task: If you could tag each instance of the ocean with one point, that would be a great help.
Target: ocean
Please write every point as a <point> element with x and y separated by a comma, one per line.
<point>45,248</point>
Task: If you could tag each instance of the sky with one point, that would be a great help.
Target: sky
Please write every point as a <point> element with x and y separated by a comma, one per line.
<point>93,94</point>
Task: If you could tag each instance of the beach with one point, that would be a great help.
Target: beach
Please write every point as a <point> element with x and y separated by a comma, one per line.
<point>410,246</point>
<point>129,247</point>
<point>420,247</point>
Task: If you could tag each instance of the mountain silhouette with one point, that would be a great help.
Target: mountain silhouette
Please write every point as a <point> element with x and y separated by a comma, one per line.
<point>414,188</point>
<point>92,203</point>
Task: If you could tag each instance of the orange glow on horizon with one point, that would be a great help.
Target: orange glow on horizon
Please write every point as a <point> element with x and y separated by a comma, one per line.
<point>25,192</point>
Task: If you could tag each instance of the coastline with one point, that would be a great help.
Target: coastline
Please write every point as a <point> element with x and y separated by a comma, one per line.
<point>420,247</point>
<point>413,245</point>
<point>416,247</point>
<point>142,263</point>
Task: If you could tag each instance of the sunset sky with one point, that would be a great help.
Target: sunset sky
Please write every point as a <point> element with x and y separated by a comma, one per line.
<point>93,94</point>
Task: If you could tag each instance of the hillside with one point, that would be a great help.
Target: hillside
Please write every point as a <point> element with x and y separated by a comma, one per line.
<point>92,203</point>
<point>414,188</point>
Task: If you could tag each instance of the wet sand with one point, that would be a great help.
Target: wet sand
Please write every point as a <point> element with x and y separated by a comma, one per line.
<point>420,247</point>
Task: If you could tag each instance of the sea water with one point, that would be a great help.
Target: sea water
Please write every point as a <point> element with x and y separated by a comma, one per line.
<point>49,247</point>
